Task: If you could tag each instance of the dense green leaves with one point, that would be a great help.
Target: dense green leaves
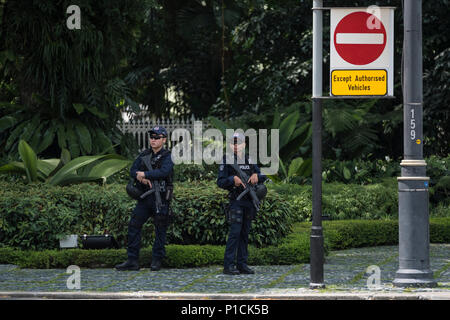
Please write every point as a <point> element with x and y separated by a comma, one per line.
<point>295,248</point>
<point>52,76</point>
<point>35,216</point>
<point>182,58</point>
<point>29,159</point>
<point>65,171</point>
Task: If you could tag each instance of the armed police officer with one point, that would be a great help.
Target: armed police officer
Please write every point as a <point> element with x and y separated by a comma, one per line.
<point>153,174</point>
<point>242,209</point>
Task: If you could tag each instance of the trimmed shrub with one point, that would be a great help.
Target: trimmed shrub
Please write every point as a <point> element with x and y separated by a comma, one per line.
<point>360,233</point>
<point>293,249</point>
<point>344,201</point>
<point>36,216</point>
<point>195,172</point>
<point>200,218</point>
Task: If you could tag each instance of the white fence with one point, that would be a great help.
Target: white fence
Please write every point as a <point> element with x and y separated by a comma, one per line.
<point>139,128</point>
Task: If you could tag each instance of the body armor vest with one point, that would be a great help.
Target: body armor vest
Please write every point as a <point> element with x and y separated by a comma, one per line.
<point>156,162</point>
<point>248,169</point>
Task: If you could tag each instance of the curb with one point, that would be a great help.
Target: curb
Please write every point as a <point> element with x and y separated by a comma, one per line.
<point>224,296</point>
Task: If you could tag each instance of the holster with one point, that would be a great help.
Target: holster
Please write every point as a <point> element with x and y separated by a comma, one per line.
<point>235,215</point>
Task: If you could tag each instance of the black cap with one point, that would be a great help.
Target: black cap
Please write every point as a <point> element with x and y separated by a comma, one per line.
<point>158,130</point>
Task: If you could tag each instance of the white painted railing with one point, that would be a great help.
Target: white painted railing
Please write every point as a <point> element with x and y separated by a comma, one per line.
<point>139,128</point>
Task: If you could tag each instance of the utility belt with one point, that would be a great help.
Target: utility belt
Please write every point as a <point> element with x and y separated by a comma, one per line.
<point>165,189</point>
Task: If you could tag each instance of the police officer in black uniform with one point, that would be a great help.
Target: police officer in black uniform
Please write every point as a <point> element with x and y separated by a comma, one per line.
<point>162,165</point>
<point>240,212</point>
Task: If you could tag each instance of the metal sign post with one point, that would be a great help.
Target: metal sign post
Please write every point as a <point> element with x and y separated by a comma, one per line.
<point>316,239</point>
<point>361,66</point>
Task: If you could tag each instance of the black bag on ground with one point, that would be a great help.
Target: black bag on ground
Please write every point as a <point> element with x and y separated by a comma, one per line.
<point>99,242</point>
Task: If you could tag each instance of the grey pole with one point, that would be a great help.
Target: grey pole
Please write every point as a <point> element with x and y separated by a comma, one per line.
<point>316,239</point>
<point>414,239</point>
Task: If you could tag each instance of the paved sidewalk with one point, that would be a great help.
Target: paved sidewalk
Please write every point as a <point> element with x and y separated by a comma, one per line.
<point>345,278</point>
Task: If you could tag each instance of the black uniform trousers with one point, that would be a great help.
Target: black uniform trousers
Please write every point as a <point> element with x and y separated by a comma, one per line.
<point>142,212</point>
<point>241,213</point>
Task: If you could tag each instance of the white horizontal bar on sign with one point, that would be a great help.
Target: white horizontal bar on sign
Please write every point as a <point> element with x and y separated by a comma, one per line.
<point>360,38</point>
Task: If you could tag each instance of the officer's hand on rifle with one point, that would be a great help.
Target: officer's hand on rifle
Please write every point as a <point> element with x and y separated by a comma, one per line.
<point>238,182</point>
<point>253,179</point>
<point>146,181</point>
<point>140,175</point>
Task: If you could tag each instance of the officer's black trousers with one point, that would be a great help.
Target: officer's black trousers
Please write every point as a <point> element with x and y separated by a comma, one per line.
<point>236,250</point>
<point>141,213</point>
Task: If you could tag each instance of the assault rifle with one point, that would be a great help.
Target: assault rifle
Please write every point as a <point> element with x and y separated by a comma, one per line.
<point>155,185</point>
<point>249,188</point>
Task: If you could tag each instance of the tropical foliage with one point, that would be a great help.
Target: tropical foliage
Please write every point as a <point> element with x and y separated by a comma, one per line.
<point>244,62</point>
<point>64,88</point>
<point>64,171</point>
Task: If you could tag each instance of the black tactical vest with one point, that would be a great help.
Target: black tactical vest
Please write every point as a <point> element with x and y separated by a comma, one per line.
<point>248,169</point>
<point>156,164</point>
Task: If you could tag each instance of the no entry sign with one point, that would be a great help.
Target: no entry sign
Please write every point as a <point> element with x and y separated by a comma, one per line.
<point>356,42</point>
<point>361,57</point>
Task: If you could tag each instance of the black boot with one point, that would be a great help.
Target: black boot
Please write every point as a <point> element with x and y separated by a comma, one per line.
<point>245,269</point>
<point>156,265</point>
<point>231,270</point>
<point>128,265</point>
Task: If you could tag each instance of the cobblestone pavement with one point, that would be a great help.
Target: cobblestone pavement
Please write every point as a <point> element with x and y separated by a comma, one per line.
<point>344,271</point>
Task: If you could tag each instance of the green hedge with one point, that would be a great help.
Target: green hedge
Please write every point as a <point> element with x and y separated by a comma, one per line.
<point>199,217</point>
<point>293,249</point>
<point>36,216</point>
<point>351,201</point>
<point>344,201</point>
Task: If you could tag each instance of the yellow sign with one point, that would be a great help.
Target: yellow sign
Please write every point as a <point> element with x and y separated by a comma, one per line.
<point>418,141</point>
<point>359,82</point>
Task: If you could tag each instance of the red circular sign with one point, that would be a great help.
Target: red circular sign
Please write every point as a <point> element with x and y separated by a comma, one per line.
<point>360,38</point>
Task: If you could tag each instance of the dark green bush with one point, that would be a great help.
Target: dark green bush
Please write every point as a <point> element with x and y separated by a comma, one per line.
<point>36,216</point>
<point>360,233</point>
<point>366,172</point>
<point>344,201</point>
<point>293,249</point>
<point>199,217</point>
<point>339,235</point>
<point>374,201</point>
<point>359,171</point>
<point>195,172</point>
